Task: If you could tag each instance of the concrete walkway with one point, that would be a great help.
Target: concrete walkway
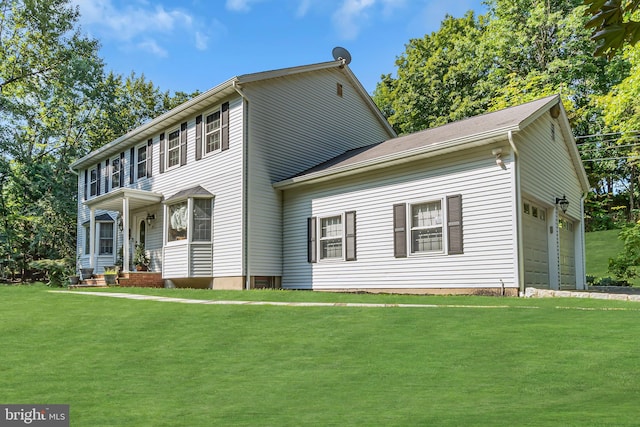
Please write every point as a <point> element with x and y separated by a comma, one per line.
<point>278,303</point>
<point>529,293</point>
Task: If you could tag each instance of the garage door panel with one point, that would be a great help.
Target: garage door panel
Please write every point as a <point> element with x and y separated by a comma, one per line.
<point>536,248</point>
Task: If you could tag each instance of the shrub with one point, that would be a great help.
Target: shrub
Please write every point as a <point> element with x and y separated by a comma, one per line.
<point>55,270</point>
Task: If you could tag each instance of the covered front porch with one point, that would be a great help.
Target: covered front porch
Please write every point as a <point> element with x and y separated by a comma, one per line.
<point>138,212</point>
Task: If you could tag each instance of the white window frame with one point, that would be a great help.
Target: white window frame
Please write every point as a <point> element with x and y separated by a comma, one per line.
<point>322,238</point>
<point>177,148</point>
<point>94,182</point>
<point>206,132</point>
<point>100,238</point>
<point>141,163</point>
<point>195,221</point>
<point>188,237</point>
<point>115,174</point>
<point>417,228</point>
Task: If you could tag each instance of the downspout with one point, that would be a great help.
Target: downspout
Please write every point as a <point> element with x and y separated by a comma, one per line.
<point>518,215</point>
<point>583,261</point>
<point>245,186</point>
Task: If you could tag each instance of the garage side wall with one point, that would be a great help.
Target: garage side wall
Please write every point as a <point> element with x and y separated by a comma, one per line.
<point>488,245</point>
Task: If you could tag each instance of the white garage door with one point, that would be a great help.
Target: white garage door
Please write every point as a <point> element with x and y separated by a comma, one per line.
<point>567,254</point>
<point>536,249</point>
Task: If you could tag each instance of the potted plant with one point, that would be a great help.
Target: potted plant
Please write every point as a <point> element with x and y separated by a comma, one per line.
<point>110,274</point>
<point>140,258</point>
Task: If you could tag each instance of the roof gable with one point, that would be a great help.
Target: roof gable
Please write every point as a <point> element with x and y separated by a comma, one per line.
<point>477,130</point>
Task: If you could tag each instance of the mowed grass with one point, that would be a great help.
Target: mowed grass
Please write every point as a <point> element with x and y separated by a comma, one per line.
<point>599,247</point>
<point>475,361</point>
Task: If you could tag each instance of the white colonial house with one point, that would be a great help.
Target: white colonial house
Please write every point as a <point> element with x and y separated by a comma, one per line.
<point>293,178</point>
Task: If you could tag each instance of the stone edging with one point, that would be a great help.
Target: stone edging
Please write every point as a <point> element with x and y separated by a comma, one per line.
<point>548,293</point>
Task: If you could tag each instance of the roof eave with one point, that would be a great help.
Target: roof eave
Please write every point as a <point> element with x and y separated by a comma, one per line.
<point>161,122</point>
<point>399,158</point>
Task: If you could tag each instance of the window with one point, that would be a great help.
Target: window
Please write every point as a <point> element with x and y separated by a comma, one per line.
<point>106,238</point>
<point>212,133</point>
<point>331,237</point>
<point>115,173</point>
<point>337,237</point>
<point>173,149</point>
<point>200,216</point>
<point>93,182</point>
<point>87,242</point>
<point>426,227</point>
<point>142,162</point>
<point>178,221</point>
<point>201,220</point>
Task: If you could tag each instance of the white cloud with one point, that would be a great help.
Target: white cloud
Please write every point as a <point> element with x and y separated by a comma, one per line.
<point>202,41</point>
<point>135,24</point>
<point>240,5</point>
<point>150,46</point>
<point>349,18</point>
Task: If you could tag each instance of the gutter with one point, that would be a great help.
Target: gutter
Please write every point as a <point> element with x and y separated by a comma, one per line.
<point>245,187</point>
<point>519,264</point>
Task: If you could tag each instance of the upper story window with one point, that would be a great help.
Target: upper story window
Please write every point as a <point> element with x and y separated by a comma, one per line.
<point>173,149</point>
<point>212,133</point>
<point>116,170</point>
<point>93,182</point>
<point>141,163</point>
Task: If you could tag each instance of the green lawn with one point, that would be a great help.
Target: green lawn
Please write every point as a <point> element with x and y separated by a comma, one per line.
<point>146,363</point>
<point>599,247</point>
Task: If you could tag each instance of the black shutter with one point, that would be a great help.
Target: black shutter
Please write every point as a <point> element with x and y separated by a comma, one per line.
<point>224,117</point>
<point>312,251</point>
<point>400,231</point>
<point>86,184</point>
<point>121,169</point>
<point>183,144</point>
<point>162,153</point>
<point>350,235</point>
<point>132,164</point>
<point>99,179</point>
<point>199,137</point>
<point>149,158</point>
<point>454,224</point>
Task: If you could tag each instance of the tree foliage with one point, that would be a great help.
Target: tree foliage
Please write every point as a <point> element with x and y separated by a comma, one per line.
<point>614,23</point>
<point>56,105</point>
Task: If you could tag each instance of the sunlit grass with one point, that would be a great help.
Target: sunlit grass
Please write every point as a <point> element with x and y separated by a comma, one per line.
<point>138,363</point>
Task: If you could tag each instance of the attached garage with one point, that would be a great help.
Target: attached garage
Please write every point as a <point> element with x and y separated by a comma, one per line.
<point>536,246</point>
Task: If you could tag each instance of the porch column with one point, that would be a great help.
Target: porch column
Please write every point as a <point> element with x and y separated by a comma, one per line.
<point>92,238</point>
<point>125,235</point>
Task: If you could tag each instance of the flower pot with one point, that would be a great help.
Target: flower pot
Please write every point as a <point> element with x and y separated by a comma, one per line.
<point>110,279</point>
<point>86,273</point>
<point>141,268</point>
<point>74,280</point>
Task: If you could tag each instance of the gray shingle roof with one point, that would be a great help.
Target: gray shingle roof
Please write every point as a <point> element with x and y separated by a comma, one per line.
<point>473,128</point>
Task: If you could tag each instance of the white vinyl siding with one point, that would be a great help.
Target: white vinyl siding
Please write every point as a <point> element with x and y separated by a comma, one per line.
<point>488,229</point>
<point>295,123</point>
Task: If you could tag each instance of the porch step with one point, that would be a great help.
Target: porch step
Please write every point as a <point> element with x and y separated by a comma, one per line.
<point>97,281</point>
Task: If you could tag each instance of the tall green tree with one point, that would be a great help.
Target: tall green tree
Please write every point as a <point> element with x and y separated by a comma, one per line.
<point>614,23</point>
<point>440,78</point>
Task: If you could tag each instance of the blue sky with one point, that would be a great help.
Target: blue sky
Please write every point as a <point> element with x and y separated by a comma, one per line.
<point>197,44</point>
